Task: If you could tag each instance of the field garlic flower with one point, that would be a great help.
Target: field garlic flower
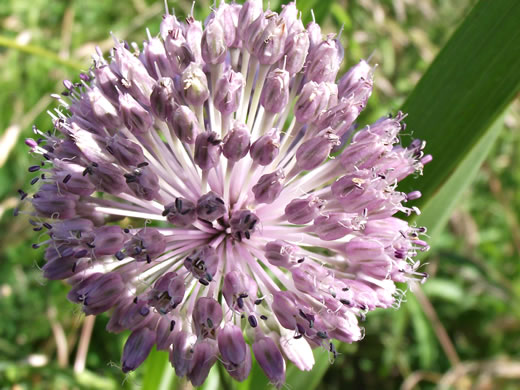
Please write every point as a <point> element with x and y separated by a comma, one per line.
<point>211,190</point>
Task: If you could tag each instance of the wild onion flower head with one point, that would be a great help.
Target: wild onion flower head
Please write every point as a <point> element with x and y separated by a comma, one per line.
<point>210,189</point>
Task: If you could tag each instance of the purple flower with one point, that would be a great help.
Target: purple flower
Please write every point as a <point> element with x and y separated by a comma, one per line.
<point>181,192</point>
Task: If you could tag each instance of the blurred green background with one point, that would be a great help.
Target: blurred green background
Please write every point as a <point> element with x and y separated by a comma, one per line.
<point>461,331</point>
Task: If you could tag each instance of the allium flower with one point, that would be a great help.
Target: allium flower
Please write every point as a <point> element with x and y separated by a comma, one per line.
<point>211,191</point>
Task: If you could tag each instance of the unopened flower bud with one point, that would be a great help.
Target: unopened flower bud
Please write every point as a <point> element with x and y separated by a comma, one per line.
<point>236,142</point>
<point>178,51</point>
<point>266,148</point>
<point>126,152</point>
<point>314,151</point>
<point>325,61</point>
<point>135,117</point>
<point>195,85</point>
<point>296,49</point>
<point>193,37</point>
<point>98,293</point>
<point>107,240</point>
<point>249,12</point>
<point>103,110</point>
<point>162,101</point>
<point>207,150</point>
<point>275,93</point>
<point>270,45</point>
<point>213,44</point>
<point>210,207</point>
<point>156,59</point>
<point>269,186</point>
<point>302,211</point>
<point>228,92</point>
<point>313,100</point>
<point>231,344</point>
<point>107,82</point>
<point>185,124</point>
<point>137,348</point>
<point>270,360</point>
<point>204,356</point>
<point>357,83</point>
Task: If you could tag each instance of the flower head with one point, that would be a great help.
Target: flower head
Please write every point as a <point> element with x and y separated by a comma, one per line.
<point>211,191</point>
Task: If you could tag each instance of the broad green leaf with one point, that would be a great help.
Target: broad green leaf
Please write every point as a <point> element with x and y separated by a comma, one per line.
<point>465,90</point>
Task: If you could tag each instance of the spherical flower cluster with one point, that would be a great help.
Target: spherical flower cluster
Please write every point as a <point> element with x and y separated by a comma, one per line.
<point>210,189</point>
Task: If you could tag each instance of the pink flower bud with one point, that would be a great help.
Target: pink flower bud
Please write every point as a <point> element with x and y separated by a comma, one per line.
<point>316,150</point>
<point>204,356</point>
<point>213,44</point>
<point>162,102</point>
<point>137,348</point>
<point>207,150</point>
<point>126,152</point>
<point>195,85</point>
<point>270,360</point>
<point>228,92</point>
<point>302,211</point>
<point>236,142</point>
<point>185,125</point>
<point>135,117</point>
<point>279,253</point>
<point>269,187</point>
<point>266,148</point>
<point>275,94</point>
<point>313,100</point>
<point>325,60</point>
<point>231,344</point>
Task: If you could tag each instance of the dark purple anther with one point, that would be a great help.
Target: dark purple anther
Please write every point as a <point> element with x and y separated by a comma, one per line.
<point>210,207</point>
<point>185,124</point>
<point>236,142</point>
<point>266,148</point>
<point>269,187</point>
<point>242,223</point>
<point>275,93</point>
<point>136,119</point>
<point>182,212</point>
<point>137,348</point>
<point>202,263</point>
<point>228,92</point>
<point>207,150</point>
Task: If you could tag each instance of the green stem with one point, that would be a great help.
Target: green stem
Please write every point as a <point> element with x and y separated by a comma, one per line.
<point>40,52</point>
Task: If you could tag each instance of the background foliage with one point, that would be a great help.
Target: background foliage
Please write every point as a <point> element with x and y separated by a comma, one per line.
<point>460,331</point>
